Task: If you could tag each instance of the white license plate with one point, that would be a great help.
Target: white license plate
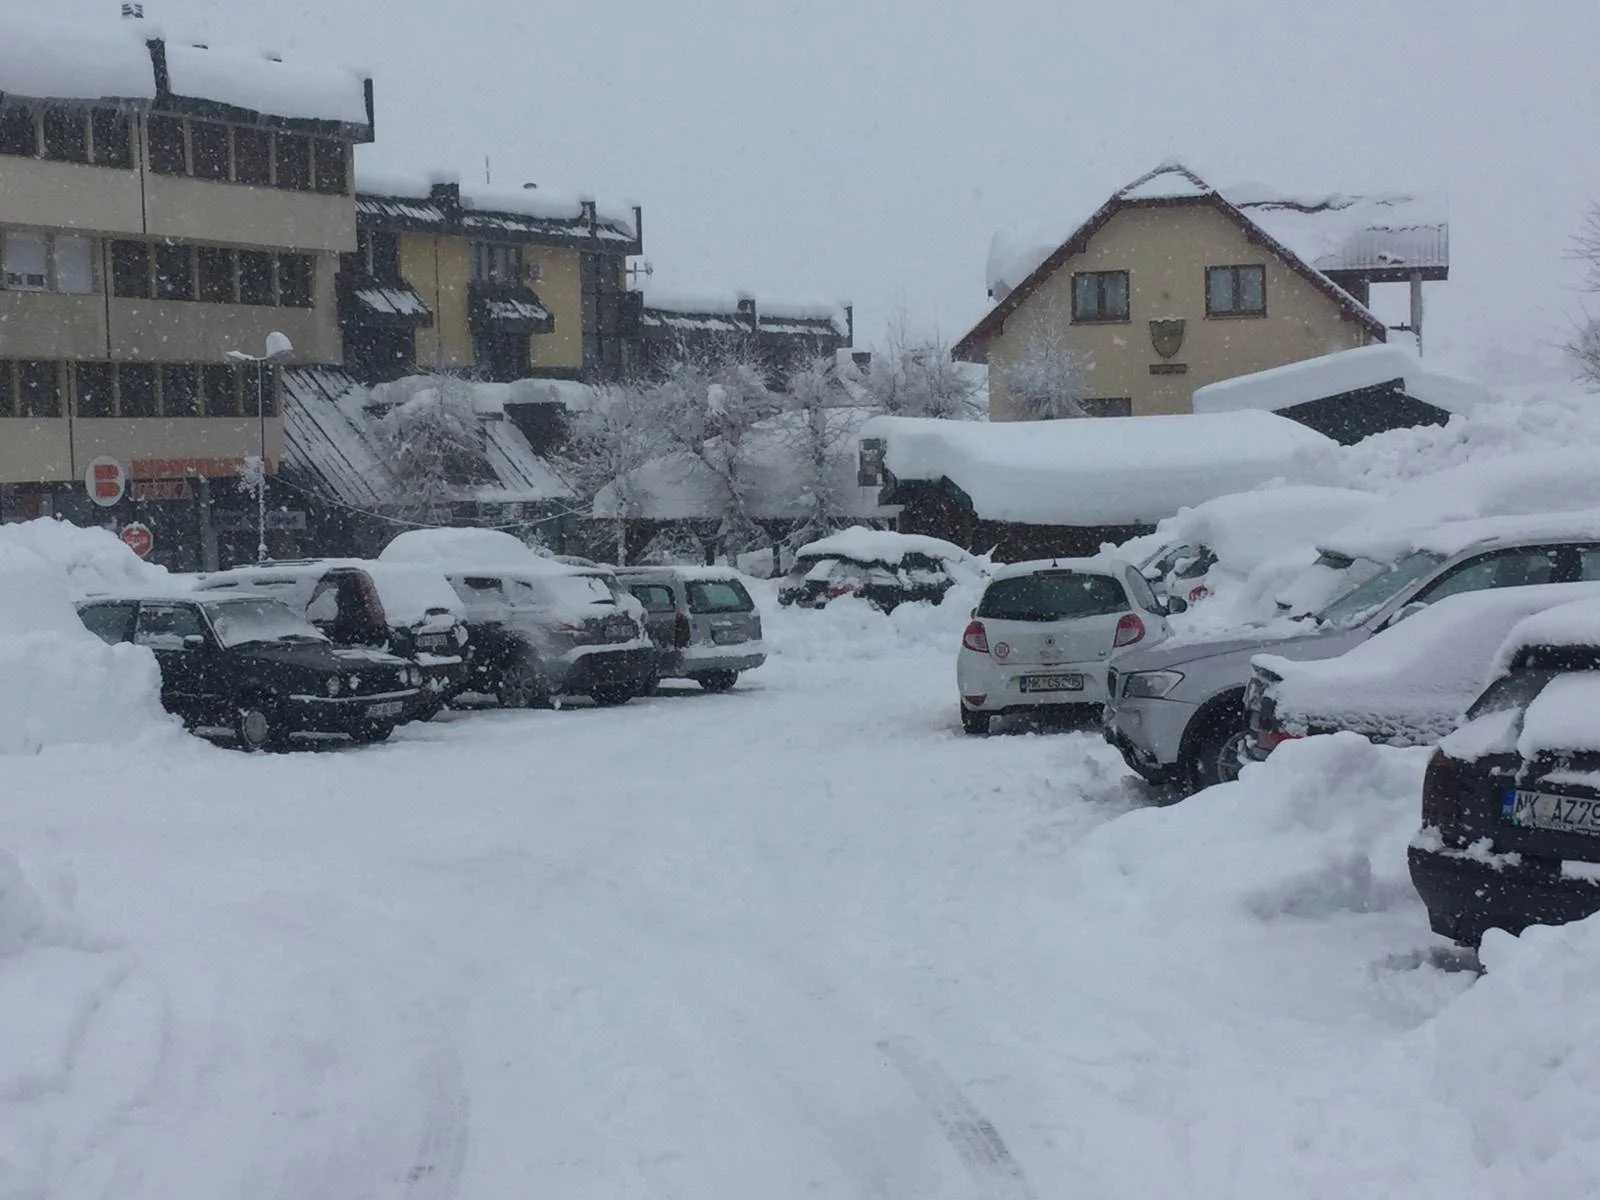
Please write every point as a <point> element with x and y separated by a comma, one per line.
<point>1051,683</point>
<point>727,637</point>
<point>385,708</point>
<point>1542,810</point>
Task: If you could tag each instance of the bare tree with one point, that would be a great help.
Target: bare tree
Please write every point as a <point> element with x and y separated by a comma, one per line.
<point>1585,344</point>
<point>816,433</point>
<point>916,377</point>
<point>1048,379</point>
<point>608,442</point>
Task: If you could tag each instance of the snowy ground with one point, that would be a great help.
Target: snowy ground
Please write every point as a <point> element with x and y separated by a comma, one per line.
<point>804,939</point>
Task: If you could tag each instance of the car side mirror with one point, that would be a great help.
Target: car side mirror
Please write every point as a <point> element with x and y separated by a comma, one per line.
<point>1176,605</point>
<point>195,641</point>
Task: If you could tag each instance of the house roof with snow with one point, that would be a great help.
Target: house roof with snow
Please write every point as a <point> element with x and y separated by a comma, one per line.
<point>1341,373</point>
<point>1382,238</point>
<point>1015,276</point>
<point>441,204</point>
<point>332,439</point>
<point>666,317</point>
<point>133,63</point>
<point>1106,471</point>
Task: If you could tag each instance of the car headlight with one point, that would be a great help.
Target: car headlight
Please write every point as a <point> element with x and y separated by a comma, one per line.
<point>414,675</point>
<point>1150,685</point>
<point>334,686</point>
<point>355,683</point>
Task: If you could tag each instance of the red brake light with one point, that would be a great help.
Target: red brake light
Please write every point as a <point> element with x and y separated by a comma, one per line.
<point>1273,738</point>
<point>1129,630</point>
<point>682,635</point>
<point>840,589</point>
<point>975,637</point>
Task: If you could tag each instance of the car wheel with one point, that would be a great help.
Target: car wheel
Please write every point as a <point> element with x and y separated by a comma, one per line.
<point>612,695</point>
<point>973,722</point>
<point>521,686</point>
<point>259,727</point>
<point>717,681</point>
<point>1215,757</point>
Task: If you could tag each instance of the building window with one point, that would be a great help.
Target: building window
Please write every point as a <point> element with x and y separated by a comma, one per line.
<point>180,390</point>
<point>292,152</point>
<point>1236,291</point>
<point>378,253</point>
<point>66,135</point>
<point>493,262</point>
<point>215,270</point>
<point>220,385</point>
<point>209,150</point>
<point>252,156</point>
<point>1100,296</point>
<point>167,154</point>
<point>19,132</point>
<point>96,388</point>
<point>295,273</point>
<point>174,272</point>
<point>1110,406</point>
<point>258,380</point>
<point>330,175</point>
<point>113,138</point>
<point>136,388</point>
<point>255,277</point>
<point>38,389</point>
<point>130,270</point>
<point>27,261</point>
<point>73,259</point>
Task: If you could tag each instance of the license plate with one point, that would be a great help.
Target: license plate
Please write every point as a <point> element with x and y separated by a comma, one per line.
<point>1052,683</point>
<point>1542,810</point>
<point>386,708</point>
<point>726,637</point>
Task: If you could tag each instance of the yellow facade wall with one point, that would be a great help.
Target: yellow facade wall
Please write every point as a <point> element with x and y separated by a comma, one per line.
<point>1166,252</point>
<point>560,287</point>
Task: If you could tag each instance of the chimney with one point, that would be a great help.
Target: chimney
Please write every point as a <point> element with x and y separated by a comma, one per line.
<point>591,216</point>
<point>133,12</point>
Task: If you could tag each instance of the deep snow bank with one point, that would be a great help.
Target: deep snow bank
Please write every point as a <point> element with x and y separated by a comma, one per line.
<point>92,559</point>
<point>61,684</point>
<point>851,630</point>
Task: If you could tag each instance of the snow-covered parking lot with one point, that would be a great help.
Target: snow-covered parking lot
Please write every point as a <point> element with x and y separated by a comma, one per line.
<point>802,939</point>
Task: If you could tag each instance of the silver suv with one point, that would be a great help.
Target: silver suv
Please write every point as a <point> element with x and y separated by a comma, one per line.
<point>702,620</point>
<point>1177,710</point>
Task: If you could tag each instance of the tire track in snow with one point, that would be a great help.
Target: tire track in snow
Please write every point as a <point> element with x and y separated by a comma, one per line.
<point>441,1157</point>
<point>975,1140</point>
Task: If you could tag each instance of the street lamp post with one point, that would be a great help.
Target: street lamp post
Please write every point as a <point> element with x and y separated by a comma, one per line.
<point>278,346</point>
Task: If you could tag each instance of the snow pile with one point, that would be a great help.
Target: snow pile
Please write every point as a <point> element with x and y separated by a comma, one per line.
<point>1410,684</point>
<point>93,560</point>
<point>1575,624</point>
<point>266,84</point>
<point>1109,471</point>
<point>63,684</point>
<point>881,546</point>
<point>96,61</point>
<point>1317,830</point>
<point>849,630</point>
<point>1518,1055</point>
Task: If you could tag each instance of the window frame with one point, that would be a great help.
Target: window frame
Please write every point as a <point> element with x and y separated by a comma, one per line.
<point>306,299</point>
<point>188,274</point>
<point>118,268</point>
<point>1098,316</point>
<point>110,382</point>
<point>15,117</point>
<point>1089,404</point>
<point>118,122</point>
<point>159,165</point>
<point>1236,291</point>
<point>143,369</point>
<point>70,115</point>
<point>487,256</point>
<point>19,391</point>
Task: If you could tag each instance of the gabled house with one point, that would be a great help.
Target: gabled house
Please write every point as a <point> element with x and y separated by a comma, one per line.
<point>1170,285</point>
<point>502,283</point>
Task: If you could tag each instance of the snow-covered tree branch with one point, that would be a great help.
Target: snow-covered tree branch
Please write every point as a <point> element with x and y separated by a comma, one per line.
<point>1049,379</point>
<point>1584,347</point>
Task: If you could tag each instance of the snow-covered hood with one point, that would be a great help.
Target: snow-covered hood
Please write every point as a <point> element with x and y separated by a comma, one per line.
<point>1277,639</point>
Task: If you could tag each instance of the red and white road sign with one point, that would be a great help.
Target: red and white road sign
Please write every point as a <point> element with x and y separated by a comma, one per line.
<point>138,538</point>
<point>105,481</point>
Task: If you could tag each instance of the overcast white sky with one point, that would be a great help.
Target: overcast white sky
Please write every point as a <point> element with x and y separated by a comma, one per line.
<point>868,149</point>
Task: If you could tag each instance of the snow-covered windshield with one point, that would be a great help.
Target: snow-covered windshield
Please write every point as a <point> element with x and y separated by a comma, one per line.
<point>1373,592</point>
<point>1052,596</point>
<point>259,620</point>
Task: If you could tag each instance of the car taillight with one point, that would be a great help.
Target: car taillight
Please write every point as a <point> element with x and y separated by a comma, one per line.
<point>1271,739</point>
<point>1442,787</point>
<point>681,633</point>
<point>1129,630</point>
<point>975,637</point>
<point>840,589</point>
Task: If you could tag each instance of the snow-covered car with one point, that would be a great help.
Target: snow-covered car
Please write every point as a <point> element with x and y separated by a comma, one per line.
<point>703,621</point>
<point>247,666</point>
<point>404,608</point>
<point>1510,830</point>
<point>1176,710</point>
<point>1043,632</point>
<point>1406,686</point>
<point>883,568</point>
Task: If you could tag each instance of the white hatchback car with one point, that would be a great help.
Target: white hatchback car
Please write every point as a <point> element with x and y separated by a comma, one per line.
<point>1041,636</point>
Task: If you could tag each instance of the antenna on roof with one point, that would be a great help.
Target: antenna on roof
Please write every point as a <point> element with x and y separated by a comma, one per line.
<point>486,179</point>
<point>133,12</point>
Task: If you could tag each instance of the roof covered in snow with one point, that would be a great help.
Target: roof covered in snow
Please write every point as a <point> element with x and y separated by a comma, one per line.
<point>1384,235</point>
<point>1330,229</point>
<point>667,316</point>
<point>1575,624</point>
<point>440,203</point>
<point>331,436</point>
<point>862,544</point>
<point>1096,471</point>
<point>131,61</point>
<point>1335,374</point>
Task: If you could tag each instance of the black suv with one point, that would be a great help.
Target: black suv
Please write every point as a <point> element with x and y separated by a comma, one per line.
<point>1511,801</point>
<point>250,667</point>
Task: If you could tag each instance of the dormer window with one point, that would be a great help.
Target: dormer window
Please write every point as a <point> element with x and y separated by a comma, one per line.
<point>494,262</point>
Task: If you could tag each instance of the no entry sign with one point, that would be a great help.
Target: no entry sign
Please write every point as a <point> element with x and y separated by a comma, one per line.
<point>138,538</point>
<point>105,481</point>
